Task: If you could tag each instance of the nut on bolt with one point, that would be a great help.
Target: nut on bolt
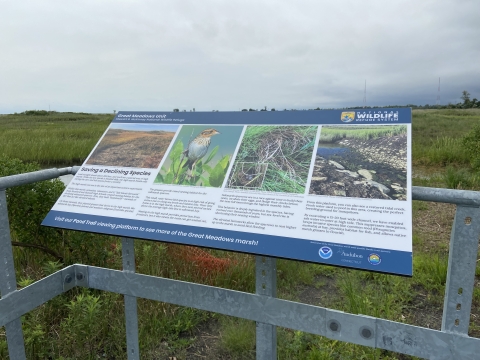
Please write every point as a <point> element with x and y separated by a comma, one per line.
<point>68,279</point>
<point>79,276</point>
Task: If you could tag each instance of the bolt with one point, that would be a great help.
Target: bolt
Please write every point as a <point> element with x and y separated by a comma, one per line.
<point>366,333</point>
<point>68,279</point>
<point>79,276</point>
<point>334,326</point>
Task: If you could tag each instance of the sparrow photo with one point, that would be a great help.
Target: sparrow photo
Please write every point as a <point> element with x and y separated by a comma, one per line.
<point>200,156</point>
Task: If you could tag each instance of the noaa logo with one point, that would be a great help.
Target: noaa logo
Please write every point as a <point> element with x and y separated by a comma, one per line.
<point>325,252</point>
<point>374,259</point>
<point>347,116</point>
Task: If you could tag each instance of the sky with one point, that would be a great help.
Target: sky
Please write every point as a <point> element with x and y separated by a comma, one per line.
<point>100,56</point>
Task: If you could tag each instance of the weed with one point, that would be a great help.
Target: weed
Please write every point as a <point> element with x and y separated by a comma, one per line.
<point>431,271</point>
<point>332,134</point>
<point>238,336</point>
<point>471,143</point>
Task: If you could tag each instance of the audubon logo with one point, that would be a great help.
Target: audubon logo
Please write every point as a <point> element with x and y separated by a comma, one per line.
<point>350,254</point>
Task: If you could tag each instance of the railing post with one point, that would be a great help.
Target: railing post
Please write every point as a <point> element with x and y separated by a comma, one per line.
<point>461,270</point>
<point>266,285</point>
<point>131,317</point>
<point>8,282</point>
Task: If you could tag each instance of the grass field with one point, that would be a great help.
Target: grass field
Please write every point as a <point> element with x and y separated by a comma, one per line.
<point>334,133</point>
<point>87,324</point>
<point>62,139</point>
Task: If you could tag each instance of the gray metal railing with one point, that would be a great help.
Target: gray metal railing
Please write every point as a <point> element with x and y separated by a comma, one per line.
<point>452,342</point>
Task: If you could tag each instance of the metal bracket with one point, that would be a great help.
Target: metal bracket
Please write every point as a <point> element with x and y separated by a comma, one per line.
<point>81,275</point>
<point>76,275</point>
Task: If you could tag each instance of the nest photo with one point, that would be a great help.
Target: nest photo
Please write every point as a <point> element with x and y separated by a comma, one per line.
<point>274,158</point>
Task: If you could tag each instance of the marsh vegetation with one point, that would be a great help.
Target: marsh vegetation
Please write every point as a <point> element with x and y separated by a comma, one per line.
<point>89,324</point>
<point>139,149</point>
<point>274,158</point>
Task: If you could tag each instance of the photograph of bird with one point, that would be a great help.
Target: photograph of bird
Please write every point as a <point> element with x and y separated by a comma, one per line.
<point>198,147</point>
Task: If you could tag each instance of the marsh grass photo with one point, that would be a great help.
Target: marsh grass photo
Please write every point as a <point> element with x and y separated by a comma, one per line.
<point>129,145</point>
<point>362,161</point>
<point>274,158</point>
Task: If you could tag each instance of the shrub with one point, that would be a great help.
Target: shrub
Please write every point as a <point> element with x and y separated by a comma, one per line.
<point>27,207</point>
<point>471,143</point>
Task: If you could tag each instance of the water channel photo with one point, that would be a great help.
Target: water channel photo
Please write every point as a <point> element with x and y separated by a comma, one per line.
<point>362,162</point>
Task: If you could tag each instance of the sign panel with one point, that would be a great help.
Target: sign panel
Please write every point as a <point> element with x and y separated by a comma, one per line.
<point>326,186</point>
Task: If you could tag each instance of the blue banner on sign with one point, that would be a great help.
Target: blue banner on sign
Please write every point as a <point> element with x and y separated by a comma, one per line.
<point>373,259</point>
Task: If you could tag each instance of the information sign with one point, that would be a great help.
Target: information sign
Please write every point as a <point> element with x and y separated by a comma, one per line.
<point>328,186</point>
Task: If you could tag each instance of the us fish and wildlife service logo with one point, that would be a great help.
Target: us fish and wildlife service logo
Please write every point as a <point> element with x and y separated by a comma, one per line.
<point>374,259</point>
<point>325,252</point>
<point>347,116</point>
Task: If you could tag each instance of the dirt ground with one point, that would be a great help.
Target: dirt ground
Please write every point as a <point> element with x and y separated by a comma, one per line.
<point>374,169</point>
<point>139,149</point>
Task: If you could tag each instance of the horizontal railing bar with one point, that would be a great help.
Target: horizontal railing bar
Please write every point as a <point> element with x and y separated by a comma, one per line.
<point>20,302</point>
<point>35,176</point>
<point>452,196</point>
<point>358,329</point>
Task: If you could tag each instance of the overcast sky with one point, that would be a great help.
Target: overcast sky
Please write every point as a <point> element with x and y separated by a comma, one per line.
<point>100,56</point>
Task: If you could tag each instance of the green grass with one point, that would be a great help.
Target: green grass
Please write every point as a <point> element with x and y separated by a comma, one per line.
<point>52,139</point>
<point>283,155</point>
<point>85,324</point>
<point>437,135</point>
<point>334,133</point>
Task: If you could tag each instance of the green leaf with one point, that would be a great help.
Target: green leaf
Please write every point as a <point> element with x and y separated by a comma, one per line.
<point>212,154</point>
<point>205,181</point>
<point>217,175</point>
<point>159,178</point>
<point>176,152</point>
<point>224,162</point>
<point>198,168</point>
<point>207,168</point>
<point>168,178</point>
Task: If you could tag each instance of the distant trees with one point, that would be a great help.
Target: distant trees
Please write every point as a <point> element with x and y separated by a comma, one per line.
<point>465,96</point>
<point>467,103</point>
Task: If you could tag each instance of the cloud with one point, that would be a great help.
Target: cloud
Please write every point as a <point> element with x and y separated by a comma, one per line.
<point>148,55</point>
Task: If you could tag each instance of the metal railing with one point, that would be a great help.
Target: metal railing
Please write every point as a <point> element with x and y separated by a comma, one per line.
<point>452,342</point>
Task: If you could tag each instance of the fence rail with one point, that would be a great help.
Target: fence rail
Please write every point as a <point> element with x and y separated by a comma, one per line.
<point>452,342</point>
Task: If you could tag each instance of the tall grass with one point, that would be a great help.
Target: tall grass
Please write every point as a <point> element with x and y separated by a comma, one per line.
<point>335,133</point>
<point>287,152</point>
<point>437,136</point>
<point>56,138</point>
<point>87,324</point>
<point>441,151</point>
